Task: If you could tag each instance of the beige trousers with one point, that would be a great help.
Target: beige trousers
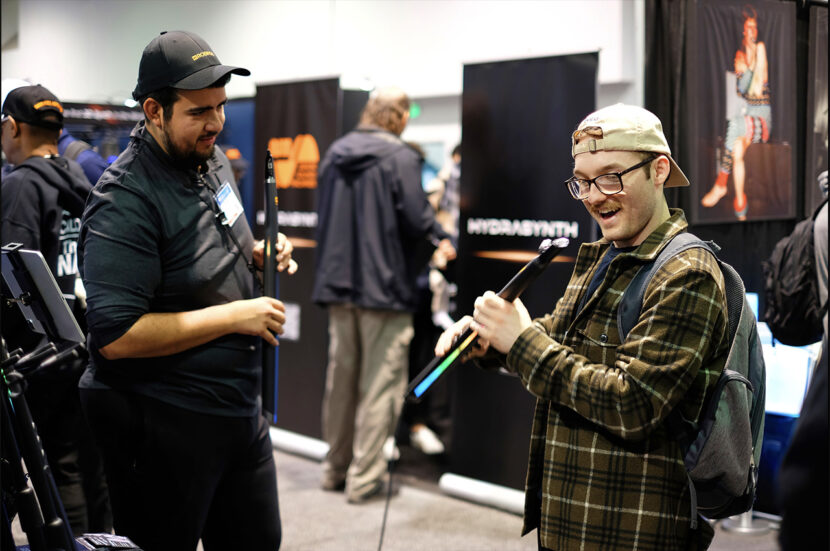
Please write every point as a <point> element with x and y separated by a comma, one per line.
<point>365,383</point>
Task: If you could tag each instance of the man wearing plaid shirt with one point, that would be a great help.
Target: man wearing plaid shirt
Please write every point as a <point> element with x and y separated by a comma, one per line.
<point>605,471</point>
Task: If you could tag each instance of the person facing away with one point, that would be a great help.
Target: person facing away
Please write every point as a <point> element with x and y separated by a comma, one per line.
<point>176,323</point>
<point>373,216</point>
<point>604,470</point>
<point>802,477</point>
<point>43,198</point>
<point>91,162</point>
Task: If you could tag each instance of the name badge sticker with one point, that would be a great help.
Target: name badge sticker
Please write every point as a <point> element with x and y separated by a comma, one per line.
<point>228,203</point>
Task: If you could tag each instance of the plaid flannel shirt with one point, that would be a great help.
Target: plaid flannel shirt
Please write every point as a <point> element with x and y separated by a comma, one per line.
<point>610,472</point>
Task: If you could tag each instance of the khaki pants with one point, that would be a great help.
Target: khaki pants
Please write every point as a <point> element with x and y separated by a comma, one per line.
<point>365,384</point>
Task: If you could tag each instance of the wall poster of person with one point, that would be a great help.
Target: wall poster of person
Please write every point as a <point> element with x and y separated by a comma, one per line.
<point>745,67</point>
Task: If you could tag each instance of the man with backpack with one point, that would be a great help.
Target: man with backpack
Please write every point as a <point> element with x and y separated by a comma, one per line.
<point>606,468</point>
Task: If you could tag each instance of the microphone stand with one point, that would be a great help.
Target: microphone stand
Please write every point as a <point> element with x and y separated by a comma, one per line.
<point>269,283</point>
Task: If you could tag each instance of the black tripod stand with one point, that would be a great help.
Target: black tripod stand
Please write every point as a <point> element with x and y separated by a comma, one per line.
<point>40,510</point>
<point>28,283</point>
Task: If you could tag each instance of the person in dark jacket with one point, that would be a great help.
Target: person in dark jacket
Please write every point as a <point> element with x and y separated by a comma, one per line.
<point>176,323</point>
<point>373,218</point>
<point>802,478</point>
<point>43,198</point>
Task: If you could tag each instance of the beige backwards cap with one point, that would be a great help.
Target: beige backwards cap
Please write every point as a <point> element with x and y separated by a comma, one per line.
<point>625,128</point>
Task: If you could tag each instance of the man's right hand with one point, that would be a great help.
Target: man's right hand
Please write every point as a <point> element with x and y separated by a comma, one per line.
<point>448,338</point>
<point>263,316</point>
<point>162,334</point>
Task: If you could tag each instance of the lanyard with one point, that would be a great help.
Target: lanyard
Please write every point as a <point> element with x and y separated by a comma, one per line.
<point>224,223</point>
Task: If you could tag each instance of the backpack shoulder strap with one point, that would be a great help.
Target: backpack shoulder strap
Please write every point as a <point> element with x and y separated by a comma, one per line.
<point>735,296</point>
<point>632,300</point>
<point>74,149</point>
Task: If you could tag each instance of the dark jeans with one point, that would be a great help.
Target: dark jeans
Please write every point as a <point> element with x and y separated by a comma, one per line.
<point>176,475</point>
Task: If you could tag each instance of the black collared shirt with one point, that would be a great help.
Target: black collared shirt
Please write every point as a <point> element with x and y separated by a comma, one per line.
<point>150,242</point>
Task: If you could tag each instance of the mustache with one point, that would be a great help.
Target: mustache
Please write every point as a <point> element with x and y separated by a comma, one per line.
<point>606,207</point>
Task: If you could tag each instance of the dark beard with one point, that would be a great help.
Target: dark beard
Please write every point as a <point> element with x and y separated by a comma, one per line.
<point>185,159</point>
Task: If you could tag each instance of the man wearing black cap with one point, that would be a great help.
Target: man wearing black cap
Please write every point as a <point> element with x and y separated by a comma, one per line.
<point>42,201</point>
<point>176,323</point>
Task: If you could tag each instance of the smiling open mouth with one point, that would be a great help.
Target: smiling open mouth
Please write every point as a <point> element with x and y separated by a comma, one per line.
<point>605,215</point>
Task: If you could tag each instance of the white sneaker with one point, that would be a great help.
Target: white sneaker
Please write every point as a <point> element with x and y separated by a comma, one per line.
<point>426,441</point>
<point>390,450</point>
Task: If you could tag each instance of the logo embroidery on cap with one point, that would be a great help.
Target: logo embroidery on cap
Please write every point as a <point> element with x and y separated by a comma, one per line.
<point>48,103</point>
<point>593,131</point>
<point>203,54</point>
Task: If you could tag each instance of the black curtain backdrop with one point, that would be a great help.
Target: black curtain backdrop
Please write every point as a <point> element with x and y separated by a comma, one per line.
<point>671,85</point>
<point>517,119</point>
<point>298,121</point>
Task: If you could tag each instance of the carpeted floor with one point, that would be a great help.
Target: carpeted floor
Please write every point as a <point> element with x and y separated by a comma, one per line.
<point>420,516</point>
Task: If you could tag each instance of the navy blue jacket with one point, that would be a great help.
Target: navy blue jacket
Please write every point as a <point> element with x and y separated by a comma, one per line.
<point>93,164</point>
<point>373,221</point>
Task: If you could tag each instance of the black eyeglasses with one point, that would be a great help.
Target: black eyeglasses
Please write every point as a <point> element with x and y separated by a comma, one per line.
<point>607,184</point>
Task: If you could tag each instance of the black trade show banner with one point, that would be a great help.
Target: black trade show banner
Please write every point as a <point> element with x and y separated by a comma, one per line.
<point>297,122</point>
<point>517,120</point>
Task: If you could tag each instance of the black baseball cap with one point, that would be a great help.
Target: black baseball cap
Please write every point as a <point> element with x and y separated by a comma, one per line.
<point>180,59</point>
<point>34,105</point>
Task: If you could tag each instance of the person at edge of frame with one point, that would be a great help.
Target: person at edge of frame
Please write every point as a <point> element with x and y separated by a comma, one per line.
<point>43,196</point>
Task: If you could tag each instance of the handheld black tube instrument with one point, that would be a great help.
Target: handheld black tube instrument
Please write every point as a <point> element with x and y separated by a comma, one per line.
<point>524,277</point>
<point>269,282</point>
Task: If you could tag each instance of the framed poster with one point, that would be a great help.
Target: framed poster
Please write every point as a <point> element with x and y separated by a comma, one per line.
<point>816,127</point>
<point>744,59</point>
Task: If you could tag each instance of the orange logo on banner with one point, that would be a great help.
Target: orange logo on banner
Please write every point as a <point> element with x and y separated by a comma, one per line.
<point>295,161</point>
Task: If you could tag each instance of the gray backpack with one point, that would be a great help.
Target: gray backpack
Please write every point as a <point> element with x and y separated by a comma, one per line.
<point>722,451</point>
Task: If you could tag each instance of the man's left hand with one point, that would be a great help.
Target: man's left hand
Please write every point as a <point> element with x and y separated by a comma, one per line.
<point>284,261</point>
<point>499,322</point>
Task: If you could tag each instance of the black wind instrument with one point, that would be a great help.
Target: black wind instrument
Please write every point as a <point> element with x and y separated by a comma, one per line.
<point>524,277</point>
<point>269,282</point>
